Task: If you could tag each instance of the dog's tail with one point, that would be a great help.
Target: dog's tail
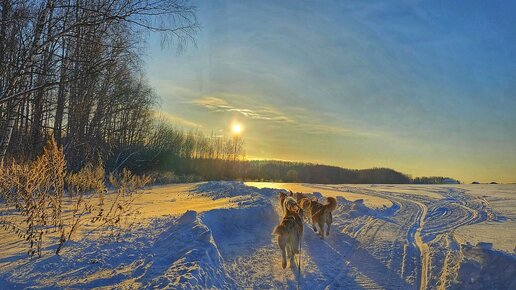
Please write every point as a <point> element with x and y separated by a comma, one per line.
<point>280,230</point>
<point>331,205</point>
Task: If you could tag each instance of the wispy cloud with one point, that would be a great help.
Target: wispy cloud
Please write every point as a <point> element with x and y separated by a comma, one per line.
<point>175,120</point>
<point>297,119</point>
<point>261,113</point>
<point>314,128</point>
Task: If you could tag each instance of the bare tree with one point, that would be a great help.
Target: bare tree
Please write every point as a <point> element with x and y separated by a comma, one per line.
<point>71,68</point>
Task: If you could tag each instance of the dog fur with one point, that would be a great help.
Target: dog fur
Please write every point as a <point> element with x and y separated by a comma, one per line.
<point>299,196</point>
<point>282,198</point>
<point>304,201</point>
<point>290,230</point>
<point>320,214</point>
<point>291,205</point>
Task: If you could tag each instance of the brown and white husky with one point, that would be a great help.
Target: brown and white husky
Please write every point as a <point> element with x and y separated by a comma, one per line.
<point>319,214</point>
<point>290,230</point>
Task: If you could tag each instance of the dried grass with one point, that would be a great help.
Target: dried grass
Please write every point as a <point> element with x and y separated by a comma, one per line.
<point>34,198</point>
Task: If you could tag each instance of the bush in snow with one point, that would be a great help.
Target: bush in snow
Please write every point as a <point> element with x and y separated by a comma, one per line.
<point>35,207</point>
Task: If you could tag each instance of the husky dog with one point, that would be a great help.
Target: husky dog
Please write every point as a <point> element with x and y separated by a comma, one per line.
<point>290,230</point>
<point>304,201</point>
<point>290,205</point>
<point>287,202</point>
<point>299,196</point>
<point>320,213</point>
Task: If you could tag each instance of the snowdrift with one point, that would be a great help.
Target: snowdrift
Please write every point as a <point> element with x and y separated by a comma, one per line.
<point>185,257</point>
<point>411,244</point>
<point>170,253</point>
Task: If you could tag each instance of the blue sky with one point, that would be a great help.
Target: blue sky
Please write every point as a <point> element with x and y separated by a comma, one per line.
<point>424,87</point>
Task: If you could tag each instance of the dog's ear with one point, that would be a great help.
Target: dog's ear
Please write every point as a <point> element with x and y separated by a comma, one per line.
<point>290,193</point>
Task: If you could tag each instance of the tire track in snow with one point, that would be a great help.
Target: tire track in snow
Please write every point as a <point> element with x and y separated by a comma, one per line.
<point>389,248</point>
<point>414,236</point>
<point>460,209</point>
<point>424,250</point>
<point>414,233</point>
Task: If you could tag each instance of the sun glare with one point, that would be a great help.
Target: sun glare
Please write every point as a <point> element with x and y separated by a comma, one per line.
<point>236,128</point>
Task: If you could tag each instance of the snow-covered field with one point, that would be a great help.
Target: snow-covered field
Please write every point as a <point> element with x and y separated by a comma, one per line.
<point>219,235</point>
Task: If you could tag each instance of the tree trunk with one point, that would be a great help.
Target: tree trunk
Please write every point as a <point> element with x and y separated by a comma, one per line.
<point>6,7</point>
<point>58,121</point>
<point>8,130</point>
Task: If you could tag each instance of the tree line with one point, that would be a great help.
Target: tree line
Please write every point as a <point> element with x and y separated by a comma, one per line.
<point>316,173</point>
<point>434,180</point>
<point>181,152</point>
<point>181,169</point>
<point>71,69</point>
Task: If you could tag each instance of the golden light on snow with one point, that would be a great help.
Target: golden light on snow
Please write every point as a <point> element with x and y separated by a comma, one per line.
<point>236,128</point>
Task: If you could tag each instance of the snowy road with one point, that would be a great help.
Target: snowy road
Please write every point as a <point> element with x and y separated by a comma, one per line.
<point>382,237</point>
<point>410,244</point>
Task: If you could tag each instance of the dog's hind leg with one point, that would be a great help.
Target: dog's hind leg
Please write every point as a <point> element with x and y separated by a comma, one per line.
<point>329,220</point>
<point>291,256</point>
<point>282,243</point>
<point>313,225</point>
<point>320,222</point>
<point>292,261</point>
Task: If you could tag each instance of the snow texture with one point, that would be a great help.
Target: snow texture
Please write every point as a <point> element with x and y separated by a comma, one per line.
<point>430,237</point>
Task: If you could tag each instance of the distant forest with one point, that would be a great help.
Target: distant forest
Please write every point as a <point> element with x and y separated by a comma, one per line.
<point>175,155</point>
<point>72,71</point>
<point>191,170</point>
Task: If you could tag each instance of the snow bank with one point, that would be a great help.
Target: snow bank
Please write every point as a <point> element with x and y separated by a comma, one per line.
<point>485,268</point>
<point>240,230</point>
<point>186,257</point>
<point>222,189</point>
<point>168,253</point>
<point>241,195</point>
<point>357,208</point>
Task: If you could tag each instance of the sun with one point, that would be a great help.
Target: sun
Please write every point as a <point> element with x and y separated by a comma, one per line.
<point>236,128</point>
